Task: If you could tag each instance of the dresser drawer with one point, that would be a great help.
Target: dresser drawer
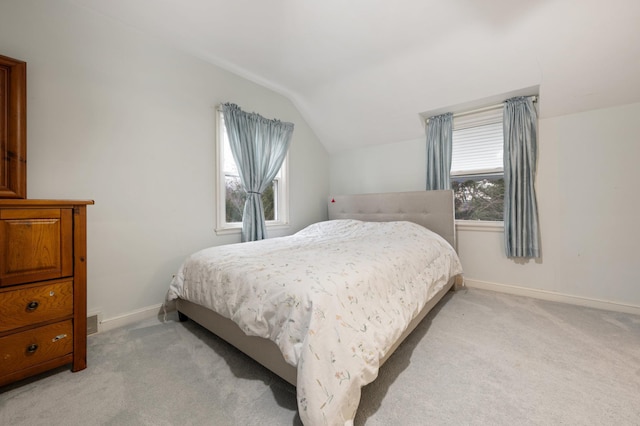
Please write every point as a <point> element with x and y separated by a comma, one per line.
<point>23,307</point>
<point>29,348</point>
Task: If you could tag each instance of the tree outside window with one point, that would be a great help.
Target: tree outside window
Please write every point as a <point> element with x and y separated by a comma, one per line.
<point>235,198</point>
<point>479,197</point>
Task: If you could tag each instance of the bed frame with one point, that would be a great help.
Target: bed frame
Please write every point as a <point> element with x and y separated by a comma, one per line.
<point>431,209</point>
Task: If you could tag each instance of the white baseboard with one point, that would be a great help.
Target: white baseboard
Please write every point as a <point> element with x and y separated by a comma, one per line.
<point>553,296</point>
<point>154,310</point>
<point>129,318</point>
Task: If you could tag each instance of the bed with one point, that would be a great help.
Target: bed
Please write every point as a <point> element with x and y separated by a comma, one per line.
<point>314,317</point>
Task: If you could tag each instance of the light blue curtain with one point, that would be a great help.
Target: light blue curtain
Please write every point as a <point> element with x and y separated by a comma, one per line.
<point>521,231</point>
<point>439,132</point>
<point>259,146</point>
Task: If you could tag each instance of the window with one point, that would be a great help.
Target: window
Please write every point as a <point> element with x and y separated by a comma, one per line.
<point>477,176</point>
<point>231,196</point>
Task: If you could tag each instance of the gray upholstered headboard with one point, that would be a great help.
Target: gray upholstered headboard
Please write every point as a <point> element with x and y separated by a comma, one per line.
<point>432,209</point>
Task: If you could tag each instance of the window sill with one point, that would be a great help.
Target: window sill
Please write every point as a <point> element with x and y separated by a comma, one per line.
<point>479,226</point>
<point>230,230</point>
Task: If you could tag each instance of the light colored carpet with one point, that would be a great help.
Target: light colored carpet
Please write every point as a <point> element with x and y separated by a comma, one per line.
<point>480,358</point>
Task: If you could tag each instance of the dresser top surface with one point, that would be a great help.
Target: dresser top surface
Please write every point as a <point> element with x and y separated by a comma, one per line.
<point>22,203</point>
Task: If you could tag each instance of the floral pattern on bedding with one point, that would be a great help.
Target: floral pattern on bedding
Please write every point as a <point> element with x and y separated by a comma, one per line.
<point>334,297</point>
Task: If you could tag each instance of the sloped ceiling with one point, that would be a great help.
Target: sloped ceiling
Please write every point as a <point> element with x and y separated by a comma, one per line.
<point>363,72</point>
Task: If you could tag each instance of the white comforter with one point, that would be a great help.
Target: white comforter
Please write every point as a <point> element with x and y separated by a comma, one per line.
<point>334,297</point>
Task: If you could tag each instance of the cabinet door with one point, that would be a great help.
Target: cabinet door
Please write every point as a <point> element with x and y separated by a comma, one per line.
<point>35,245</point>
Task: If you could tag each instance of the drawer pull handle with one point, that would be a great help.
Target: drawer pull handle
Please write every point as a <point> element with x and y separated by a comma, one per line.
<point>32,306</point>
<point>58,337</point>
<point>32,348</point>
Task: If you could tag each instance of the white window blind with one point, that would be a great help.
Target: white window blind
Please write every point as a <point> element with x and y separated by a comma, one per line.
<point>477,143</point>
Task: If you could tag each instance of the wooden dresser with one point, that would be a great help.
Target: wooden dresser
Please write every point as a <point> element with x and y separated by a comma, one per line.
<point>43,286</point>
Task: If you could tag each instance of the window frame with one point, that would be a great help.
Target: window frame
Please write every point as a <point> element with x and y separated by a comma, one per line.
<point>467,119</point>
<point>282,193</point>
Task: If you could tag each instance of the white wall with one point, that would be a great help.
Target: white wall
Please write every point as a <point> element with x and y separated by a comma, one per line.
<point>127,120</point>
<point>587,175</point>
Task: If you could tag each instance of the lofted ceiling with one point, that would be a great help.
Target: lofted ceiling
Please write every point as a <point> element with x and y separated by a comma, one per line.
<point>364,72</point>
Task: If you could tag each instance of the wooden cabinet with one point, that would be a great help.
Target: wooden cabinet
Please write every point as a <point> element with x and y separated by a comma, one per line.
<point>43,281</point>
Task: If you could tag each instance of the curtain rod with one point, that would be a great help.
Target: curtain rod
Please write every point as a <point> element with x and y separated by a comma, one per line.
<point>533,98</point>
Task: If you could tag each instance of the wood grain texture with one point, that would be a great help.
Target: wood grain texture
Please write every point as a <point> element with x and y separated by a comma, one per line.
<point>80,288</point>
<point>36,245</point>
<point>43,285</point>
<point>26,306</point>
<point>13,128</point>
<point>32,347</point>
